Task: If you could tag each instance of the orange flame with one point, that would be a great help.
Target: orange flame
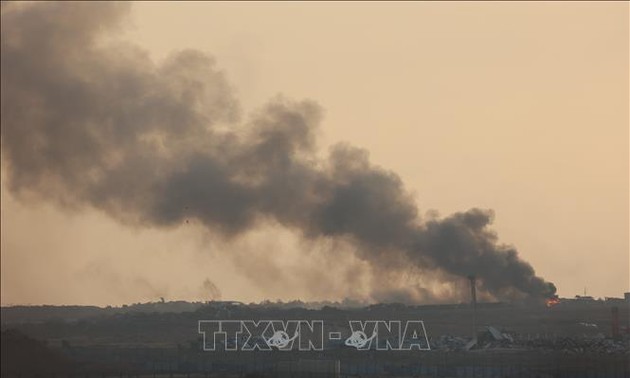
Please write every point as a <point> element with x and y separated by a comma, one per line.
<point>552,301</point>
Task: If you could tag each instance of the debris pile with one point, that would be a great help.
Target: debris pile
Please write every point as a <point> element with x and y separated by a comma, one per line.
<point>576,345</point>
<point>493,339</point>
<point>449,343</point>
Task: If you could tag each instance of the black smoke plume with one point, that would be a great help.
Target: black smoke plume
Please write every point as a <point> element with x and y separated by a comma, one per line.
<point>90,122</point>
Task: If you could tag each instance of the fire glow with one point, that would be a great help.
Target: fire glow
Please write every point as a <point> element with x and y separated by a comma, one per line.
<point>552,301</point>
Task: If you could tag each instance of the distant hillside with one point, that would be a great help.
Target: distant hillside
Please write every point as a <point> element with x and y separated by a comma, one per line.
<point>24,355</point>
<point>34,314</point>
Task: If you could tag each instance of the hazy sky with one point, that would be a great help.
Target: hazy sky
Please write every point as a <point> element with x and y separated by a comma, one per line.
<point>517,107</point>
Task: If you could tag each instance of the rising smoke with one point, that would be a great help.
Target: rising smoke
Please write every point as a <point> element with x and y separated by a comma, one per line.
<point>88,122</point>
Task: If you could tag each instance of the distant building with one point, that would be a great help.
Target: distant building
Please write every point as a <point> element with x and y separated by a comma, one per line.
<point>584,298</point>
<point>614,300</point>
<point>224,303</point>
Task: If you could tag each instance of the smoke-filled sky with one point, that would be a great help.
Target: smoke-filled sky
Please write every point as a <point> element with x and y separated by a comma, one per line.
<point>249,151</point>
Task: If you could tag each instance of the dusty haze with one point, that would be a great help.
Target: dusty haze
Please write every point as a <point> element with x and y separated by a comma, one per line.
<point>115,185</point>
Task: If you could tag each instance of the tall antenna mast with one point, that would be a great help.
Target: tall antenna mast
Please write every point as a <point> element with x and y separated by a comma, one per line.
<point>473,295</point>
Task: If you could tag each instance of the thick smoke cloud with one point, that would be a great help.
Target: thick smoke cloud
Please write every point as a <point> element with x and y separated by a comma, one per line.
<point>88,122</point>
